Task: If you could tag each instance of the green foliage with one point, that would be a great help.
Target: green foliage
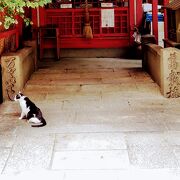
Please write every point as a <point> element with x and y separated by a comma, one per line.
<point>10,9</point>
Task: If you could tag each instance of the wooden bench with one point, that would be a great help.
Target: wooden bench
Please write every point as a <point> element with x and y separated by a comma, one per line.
<point>49,38</point>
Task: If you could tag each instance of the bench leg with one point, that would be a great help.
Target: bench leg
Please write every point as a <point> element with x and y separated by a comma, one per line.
<point>58,47</point>
<point>58,53</point>
<point>41,53</point>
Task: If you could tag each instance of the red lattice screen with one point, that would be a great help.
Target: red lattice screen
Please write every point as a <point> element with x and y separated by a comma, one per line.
<point>71,21</point>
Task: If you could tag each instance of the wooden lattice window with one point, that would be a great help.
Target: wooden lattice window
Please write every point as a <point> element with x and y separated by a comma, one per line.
<point>81,3</point>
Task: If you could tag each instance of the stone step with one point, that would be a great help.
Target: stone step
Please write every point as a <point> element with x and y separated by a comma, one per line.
<point>66,75</point>
<point>86,81</point>
<point>90,65</point>
<point>46,87</point>
<point>74,70</point>
<point>66,81</point>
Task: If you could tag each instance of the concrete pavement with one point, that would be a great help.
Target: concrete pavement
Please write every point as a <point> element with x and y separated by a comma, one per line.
<point>106,119</point>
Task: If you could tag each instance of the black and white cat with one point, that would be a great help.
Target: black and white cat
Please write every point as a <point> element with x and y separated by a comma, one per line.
<point>30,111</point>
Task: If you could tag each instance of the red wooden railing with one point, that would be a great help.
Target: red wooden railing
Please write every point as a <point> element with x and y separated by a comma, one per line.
<point>12,32</point>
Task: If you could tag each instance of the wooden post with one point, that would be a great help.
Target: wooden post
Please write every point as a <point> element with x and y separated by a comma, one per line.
<point>165,20</point>
<point>131,21</point>
<point>139,12</point>
<point>155,19</point>
<point>42,16</point>
<point>34,17</point>
<point>19,29</point>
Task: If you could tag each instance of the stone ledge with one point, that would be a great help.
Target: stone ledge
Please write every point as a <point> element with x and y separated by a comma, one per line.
<point>163,65</point>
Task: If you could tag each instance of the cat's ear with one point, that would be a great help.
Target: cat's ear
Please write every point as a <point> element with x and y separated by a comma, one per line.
<point>20,93</point>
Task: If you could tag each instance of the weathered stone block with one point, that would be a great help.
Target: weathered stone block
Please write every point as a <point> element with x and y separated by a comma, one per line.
<point>17,68</point>
<point>170,72</point>
<point>163,65</point>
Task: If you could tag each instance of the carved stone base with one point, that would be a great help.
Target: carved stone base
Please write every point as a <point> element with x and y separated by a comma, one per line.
<point>163,65</point>
<point>170,84</point>
<point>17,68</point>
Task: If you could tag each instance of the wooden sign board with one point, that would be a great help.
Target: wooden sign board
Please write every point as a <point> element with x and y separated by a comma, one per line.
<point>66,6</point>
<point>106,4</point>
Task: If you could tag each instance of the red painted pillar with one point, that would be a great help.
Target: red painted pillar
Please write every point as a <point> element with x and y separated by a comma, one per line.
<point>38,17</point>
<point>34,17</point>
<point>131,21</point>
<point>139,13</point>
<point>155,19</point>
<point>42,16</point>
<point>19,31</point>
<point>165,20</point>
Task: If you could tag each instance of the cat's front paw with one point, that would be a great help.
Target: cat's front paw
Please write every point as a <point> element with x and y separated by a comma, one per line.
<point>20,118</point>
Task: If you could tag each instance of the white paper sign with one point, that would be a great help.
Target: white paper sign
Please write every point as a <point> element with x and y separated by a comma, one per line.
<point>107,17</point>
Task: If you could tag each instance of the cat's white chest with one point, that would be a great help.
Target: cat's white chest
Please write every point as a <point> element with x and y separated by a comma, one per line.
<point>25,110</point>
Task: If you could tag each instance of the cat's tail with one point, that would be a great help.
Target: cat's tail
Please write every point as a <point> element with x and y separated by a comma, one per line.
<point>41,124</point>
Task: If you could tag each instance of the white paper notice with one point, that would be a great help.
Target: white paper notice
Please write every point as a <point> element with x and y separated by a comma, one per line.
<point>107,17</point>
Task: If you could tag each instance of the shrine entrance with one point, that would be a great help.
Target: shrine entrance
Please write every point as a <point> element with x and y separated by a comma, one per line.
<point>112,24</point>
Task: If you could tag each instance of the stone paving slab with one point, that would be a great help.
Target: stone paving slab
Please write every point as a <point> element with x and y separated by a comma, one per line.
<point>153,157</point>
<point>34,174</point>
<point>90,141</point>
<point>115,159</point>
<point>136,174</point>
<point>173,138</point>
<point>4,154</point>
<point>7,140</point>
<point>8,127</point>
<point>30,152</point>
<point>147,139</point>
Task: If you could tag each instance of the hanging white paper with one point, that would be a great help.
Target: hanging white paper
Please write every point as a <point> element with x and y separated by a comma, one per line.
<point>107,17</point>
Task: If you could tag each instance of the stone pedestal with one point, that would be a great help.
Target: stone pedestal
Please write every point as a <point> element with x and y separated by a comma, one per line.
<point>163,65</point>
<point>17,68</point>
<point>170,72</point>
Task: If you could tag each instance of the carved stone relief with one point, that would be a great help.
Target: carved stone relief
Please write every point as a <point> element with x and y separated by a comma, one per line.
<point>10,77</point>
<point>173,77</point>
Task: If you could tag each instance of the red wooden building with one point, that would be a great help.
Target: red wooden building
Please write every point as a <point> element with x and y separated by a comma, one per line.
<point>71,21</point>
<point>112,23</point>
